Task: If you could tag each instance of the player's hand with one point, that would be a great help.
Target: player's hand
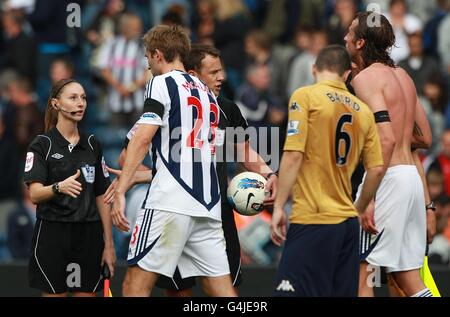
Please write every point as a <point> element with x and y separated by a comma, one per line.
<point>367,219</point>
<point>278,226</point>
<point>109,194</point>
<point>70,186</point>
<point>123,90</point>
<point>109,256</point>
<point>118,213</point>
<point>431,225</point>
<point>271,190</point>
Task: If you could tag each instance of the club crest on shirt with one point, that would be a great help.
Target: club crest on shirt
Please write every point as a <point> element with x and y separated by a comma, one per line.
<point>29,161</point>
<point>294,107</point>
<point>88,173</point>
<point>293,128</point>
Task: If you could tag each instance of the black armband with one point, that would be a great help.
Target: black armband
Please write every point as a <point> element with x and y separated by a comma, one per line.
<point>152,105</point>
<point>382,116</point>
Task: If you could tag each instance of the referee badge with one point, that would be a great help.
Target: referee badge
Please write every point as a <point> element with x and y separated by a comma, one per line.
<point>29,161</point>
<point>89,173</point>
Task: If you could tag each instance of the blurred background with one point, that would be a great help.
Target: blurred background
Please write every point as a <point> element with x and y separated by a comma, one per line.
<point>268,48</point>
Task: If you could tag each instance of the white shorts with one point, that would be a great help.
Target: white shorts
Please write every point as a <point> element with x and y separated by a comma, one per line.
<point>161,241</point>
<point>400,219</point>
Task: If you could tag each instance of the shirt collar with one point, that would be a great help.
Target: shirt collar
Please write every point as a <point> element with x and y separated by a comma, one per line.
<point>334,83</point>
<point>61,141</point>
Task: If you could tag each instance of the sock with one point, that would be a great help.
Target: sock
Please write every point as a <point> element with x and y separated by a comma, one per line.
<point>423,293</point>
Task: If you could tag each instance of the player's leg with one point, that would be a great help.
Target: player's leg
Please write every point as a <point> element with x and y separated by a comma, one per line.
<point>138,283</point>
<point>394,289</point>
<point>308,262</point>
<point>410,282</point>
<point>83,294</point>
<point>346,275</point>
<point>407,273</point>
<point>155,247</point>
<point>204,255</point>
<point>176,286</point>
<point>392,203</point>
<point>365,288</point>
<point>233,247</point>
<point>220,286</point>
<point>44,294</point>
<point>181,293</point>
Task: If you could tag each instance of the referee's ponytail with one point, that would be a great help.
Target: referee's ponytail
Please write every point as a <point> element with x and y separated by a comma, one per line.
<point>51,114</point>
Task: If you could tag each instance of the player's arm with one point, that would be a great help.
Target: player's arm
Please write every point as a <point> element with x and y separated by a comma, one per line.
<point>136,151</point>
<point>289,167</point>
<point>431,217</point>
<point>253,162</point>
<point>373,162</point>
<point>109,253</point>
<point>422,137</point>
<point>368,89</point>
<point>294,149</point>
<point>372,180</point>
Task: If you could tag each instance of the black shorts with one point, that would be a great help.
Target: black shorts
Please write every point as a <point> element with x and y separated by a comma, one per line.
<point>66,257</point>
<point>320,261</point>
<point>233,249</point>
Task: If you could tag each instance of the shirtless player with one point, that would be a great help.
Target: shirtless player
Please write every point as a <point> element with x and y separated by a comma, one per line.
<point>400,218</point>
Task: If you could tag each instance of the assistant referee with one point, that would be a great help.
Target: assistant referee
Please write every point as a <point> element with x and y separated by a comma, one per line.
<point>66,174</point>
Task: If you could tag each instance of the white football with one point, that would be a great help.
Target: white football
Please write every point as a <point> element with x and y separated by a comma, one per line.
<point>246,193</point>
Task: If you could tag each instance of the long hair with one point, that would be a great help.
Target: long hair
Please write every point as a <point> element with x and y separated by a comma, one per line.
<point>51,114</point>
<point>379,39</point>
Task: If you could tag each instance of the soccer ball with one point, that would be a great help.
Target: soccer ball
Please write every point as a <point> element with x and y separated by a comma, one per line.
<point>246,193</point>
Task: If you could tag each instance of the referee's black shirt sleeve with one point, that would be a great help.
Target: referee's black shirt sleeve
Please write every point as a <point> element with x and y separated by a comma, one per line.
<point>35,165</point>
<point>102,180</point>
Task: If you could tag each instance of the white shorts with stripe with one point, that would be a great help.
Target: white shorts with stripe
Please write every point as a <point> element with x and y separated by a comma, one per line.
<point>400,219</point>
<point>161,241</point>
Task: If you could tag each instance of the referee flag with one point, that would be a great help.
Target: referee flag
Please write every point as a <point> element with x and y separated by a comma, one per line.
<point>427,277</point>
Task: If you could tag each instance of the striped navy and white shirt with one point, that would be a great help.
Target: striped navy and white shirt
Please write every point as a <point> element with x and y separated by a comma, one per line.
<point>183,149</point>
<point>126,61</point>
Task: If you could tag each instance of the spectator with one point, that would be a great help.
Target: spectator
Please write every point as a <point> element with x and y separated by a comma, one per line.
<point>258,105</point>
<point>403,24</point>
<point>232,22</point>
<point>300,72</point>
<point>20,54</point>
<point>439,250</point>
<point>430,33</point>
<point>9,182</point>
<point>27,121</point>
<point>443,160</point>
<point>61,68</point>
<point>444,43</point>
<point>339,23</point>
<point>20,228</point>
<point>435,182</point>
<point>418,65</point>
<point>124,69</point>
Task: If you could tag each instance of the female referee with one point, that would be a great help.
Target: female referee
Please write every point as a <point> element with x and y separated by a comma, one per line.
<point>67,177</point>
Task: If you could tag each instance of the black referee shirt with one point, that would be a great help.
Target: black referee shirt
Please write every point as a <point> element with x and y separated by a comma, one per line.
<point>51,158</point>
<point>230,117</point>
